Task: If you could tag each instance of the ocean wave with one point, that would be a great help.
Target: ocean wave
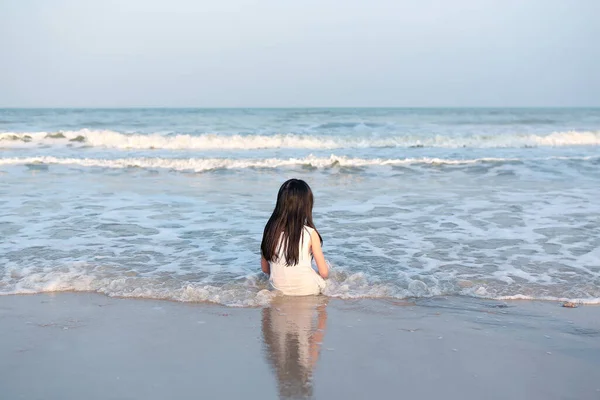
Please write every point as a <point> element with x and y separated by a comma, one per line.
<point>209,164</point>
<point>111,282</point>
<point>249,291</point>
<point>116,140</point>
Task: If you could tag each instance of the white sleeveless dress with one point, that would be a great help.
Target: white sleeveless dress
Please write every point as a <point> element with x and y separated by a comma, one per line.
<point>300,279</point>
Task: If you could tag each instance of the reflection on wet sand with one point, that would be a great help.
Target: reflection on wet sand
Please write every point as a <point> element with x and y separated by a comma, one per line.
<point>293,329</point>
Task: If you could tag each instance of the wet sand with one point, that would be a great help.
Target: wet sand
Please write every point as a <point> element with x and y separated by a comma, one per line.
<point>88,346</point>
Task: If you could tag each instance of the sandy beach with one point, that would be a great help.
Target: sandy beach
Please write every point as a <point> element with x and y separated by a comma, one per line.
<point>89,346</point>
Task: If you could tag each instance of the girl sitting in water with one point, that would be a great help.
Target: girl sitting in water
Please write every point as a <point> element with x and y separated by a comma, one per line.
<point>289,240</point>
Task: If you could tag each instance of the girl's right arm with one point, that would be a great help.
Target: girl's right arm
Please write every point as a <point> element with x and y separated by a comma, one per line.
<point>315,242</point>
<point>264,265</point>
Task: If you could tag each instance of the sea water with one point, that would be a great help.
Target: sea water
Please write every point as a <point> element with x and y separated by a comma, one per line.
<point>171,203</point>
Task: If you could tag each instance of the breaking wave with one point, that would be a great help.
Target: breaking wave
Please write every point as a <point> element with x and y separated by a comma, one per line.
<point>249,291</point>
<point>209,164</point>
<point>116,140</point>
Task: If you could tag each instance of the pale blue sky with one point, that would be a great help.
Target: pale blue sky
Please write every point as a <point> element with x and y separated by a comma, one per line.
<point>284,53</point>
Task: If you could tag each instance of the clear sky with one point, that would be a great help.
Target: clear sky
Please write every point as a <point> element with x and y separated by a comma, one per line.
<point>286,53</point>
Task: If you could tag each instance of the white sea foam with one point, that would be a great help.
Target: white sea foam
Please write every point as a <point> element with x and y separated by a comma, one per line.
<point>104,280</point>
<point>251,292</point>
<point>208,164</point>
<point>550,298</point>
<point>117,140</point>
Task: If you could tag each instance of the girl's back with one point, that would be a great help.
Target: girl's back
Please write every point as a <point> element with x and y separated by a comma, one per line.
<point>300,279</point>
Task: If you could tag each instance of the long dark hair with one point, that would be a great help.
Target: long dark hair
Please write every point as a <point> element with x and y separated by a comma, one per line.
<point>292,212</point>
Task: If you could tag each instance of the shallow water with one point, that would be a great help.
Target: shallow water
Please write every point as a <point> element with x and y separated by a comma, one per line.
<point>411,203</point>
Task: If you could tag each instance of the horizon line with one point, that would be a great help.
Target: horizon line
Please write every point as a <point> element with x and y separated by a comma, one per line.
<point>280,107</point>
